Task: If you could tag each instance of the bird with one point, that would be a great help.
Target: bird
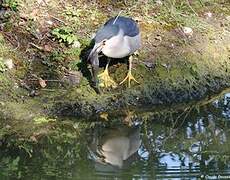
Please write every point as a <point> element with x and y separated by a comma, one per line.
<point>115,147</point>
<point>119,37</point>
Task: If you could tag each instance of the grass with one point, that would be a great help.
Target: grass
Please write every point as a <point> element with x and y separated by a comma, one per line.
<point>84,17</point>
<point>4,50</point>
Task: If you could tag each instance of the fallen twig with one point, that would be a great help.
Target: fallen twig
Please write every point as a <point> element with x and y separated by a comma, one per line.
<point>58,19</point>
<point>36,46</point>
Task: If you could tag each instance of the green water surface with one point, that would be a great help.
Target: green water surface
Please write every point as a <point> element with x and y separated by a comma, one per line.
<point>192,144</point>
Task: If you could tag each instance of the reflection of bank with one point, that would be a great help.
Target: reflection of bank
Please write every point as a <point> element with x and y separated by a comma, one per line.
<point>227,99</point>
<point>226,111</point>
<point>115,148</point>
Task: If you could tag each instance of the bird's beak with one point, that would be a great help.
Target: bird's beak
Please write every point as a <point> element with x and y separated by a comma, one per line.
<point>96,50</point>
<point>94,60</point>
<point>100,47</point>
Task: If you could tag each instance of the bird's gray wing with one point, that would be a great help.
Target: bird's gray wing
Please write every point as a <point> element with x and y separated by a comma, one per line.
<point>112,26</point>
<point>128,25</point>
<point>106,32</point>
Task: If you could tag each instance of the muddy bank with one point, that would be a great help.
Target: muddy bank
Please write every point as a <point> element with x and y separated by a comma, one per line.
<point>171,75</point>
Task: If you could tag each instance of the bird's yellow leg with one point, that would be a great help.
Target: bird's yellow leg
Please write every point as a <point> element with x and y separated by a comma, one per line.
<point>129,76</point>
<point>105,80</point>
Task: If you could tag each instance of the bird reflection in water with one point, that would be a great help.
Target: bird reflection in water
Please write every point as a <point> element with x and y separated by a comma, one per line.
<point>115,148</point>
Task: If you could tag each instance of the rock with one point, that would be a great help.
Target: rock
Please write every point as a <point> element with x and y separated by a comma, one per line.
<point>72,78</point>
<point>33,93</point>
<point>49,22</point>
<point>166,65</point>
<point>33,139</point>
<point>16,86</point>
<point>158,38</point>
<point>7,126</point>
<point>42,82</point>
<point>48,48</point>
<point>8,63</point>
<point>228,18</point>
<point>208,15</point>
<point>41,2</point>
<point>149,64</point>
<point>2,103</point>
<point>188,31</point>
<point>76,44</point>
<point>159,2</point>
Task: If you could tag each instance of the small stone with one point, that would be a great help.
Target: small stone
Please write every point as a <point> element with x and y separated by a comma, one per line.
<point>33,93</point>
<point>167,66</point>
<point>159,2</point>
<point>16,86</point>
<point>43,2</point>
<point>208,15</point>
<point>76,44</point>
<point>72,78</point>
<point>188,31</point>
<point>8,126</point>
<point>33,138</point>
<point>149,64</point>
<point>8,63</point>
<point>49,22</point>
<point>158,38</point>
<point>42,82</point>
<point>228,18</point>
<point>48,48</point>
<point>75,125</point>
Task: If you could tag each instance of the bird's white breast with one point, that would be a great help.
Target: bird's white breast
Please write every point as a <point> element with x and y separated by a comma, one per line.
<point>121,46</point>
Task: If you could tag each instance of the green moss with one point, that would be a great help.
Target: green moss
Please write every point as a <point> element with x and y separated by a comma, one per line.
<point>64,34</point>
<point>13,4</point>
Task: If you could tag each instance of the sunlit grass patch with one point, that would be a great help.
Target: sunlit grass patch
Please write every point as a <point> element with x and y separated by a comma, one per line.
<point>41,120</point>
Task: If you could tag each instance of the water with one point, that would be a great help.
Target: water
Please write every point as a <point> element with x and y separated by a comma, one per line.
<point>193,143</point>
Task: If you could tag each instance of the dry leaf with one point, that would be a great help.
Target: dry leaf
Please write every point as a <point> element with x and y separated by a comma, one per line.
<point>33,138</point>
<point>42,83</point>
<point>104,116</point>
<point>47,48</point>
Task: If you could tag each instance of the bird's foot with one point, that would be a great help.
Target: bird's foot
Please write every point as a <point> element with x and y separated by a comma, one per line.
<point>129,77</point>
<point>105,80</point>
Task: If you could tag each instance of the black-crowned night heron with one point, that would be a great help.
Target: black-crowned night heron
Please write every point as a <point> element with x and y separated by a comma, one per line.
<point>115,147</point>
<point>117,38</point>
